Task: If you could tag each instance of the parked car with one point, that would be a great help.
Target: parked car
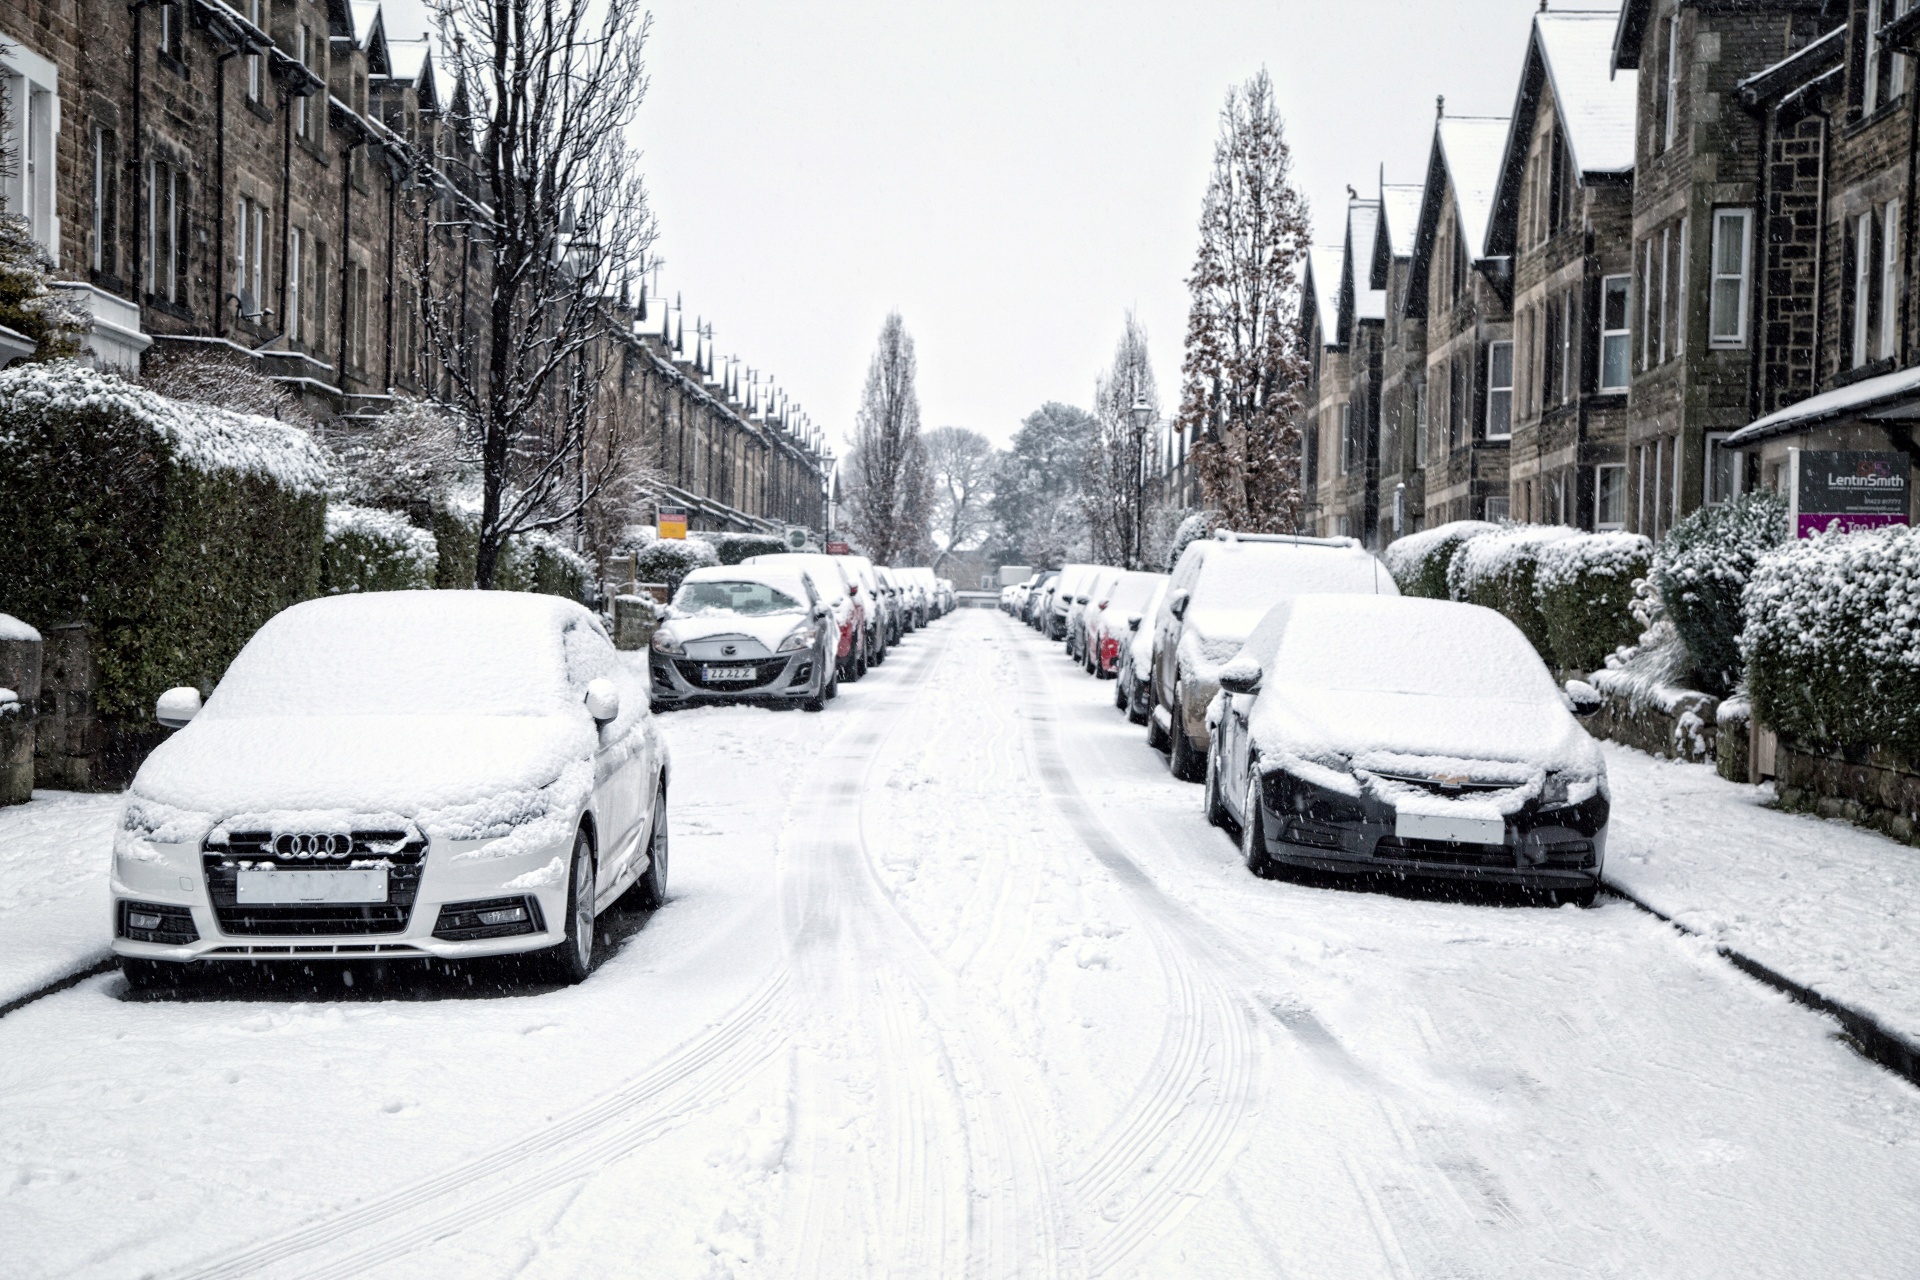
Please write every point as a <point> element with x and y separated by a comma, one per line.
<point>394,775</point>
<point>746,633</point>
<point>1092,590</point>
<point>1133,690</point>
<point>841,592</point>
<point>1040,603</point>
<point>1415,738</point>
<point>1072,584</point>
<point>948,597</point>
<point>860,570</point>
<point>1219,589</point>
<point>1113,619</point>
<point>895,603</point>
<point>919,596</point>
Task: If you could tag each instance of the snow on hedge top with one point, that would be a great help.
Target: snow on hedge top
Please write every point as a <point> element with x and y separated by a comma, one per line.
<point>1566,562</point>
<point>195,435</point>
<point>1494,553</point>
<point>1854,595</point>
<point>383,527</point>
<point>1403,555</point>
<point>11,628</point>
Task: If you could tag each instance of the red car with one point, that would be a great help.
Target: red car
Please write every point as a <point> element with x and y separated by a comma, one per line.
<point>1111,621</point>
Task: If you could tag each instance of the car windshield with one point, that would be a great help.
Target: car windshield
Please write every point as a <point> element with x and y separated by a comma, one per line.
<point>750,598</point>
<point>1131,593</point>
<point>1257,575</point>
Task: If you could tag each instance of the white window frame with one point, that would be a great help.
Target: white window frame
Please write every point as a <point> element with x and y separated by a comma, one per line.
<point>97,254</point>
<point>1714,451</point>
<point>1495,390</point>
<point>30,190</point>
<point>256,17</point>
<point>1342,420</point>
<point>1863,228</point>
<point>1670,127</point>
<point>1889,279</point>
<point>1680,289</point>
<point>1870,81</point>
<point>302,50</point>
<point>1420,422</point>
<point>1568,383</point>
<point>163,208</point>
<point>1600,488</point>
<point>1666,274</point>
<point>1722,218</point>
<point>1646,306</point>
<point>1624,334</point>
<point>1498,509</point>
<point>295,264</point>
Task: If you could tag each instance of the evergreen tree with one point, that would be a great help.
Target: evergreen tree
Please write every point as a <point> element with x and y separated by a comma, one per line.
<point>1036,497</point>
<point>1126,405</point>
<point>1244,373</point>
<point>889,496</point>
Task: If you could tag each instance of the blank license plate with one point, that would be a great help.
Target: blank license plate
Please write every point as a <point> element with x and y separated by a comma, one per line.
<point>711,674</point>
<point>1461,830</point>
<point>266,887</point>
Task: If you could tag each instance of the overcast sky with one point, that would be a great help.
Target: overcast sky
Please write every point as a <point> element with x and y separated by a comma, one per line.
<point>1011,176</point>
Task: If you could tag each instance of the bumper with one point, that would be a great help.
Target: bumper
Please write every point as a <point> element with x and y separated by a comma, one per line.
<point>453,873</point>
<point>793,677</point>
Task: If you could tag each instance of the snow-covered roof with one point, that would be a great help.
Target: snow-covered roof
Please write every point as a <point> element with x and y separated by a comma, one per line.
<point>1399,219</point>
<point>1369,303</point>
<point>407,59</point>
<point>1902,385</point>
<point>366,15</point>
<point>1323,288</point>
<point>1471,147</point>
<point>1596,104</point>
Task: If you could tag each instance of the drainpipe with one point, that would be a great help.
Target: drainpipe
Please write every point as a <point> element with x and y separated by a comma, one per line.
<point>1820,254</point>
<point>220,193</point>
<point>1756,307</point>
<point>346,257</point>
<point>286,197</point>
<point>1906,213</point>
<point>138,7</point>
<point>393,193</point>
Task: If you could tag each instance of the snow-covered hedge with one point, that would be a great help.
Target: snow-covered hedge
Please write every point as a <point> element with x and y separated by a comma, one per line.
<point>1832,640</point>
<point>369,550</point>
<point>1497,570</point>
<point>734,548</point>
<point>176,529</point>
<point>1419,561</point>
<point>1584,587</point>
<point>1700,570</point>
<point>669,560</point>
<point>1200,524</point>
<point>532,561</point>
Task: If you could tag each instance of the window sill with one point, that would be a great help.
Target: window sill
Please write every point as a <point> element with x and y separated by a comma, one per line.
<point>1611,394</point>
<point>1860,373</point>
<point>260,109</point>
<point>173,64</point>
<point>1726,344</point>
<point>166,308</point>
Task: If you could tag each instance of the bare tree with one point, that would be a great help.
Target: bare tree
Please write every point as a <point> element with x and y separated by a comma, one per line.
<point>1243,372</point>
<point>1126,405</point>
<point>889,493</point>
<point>963,464</point>
<point>548,92</point>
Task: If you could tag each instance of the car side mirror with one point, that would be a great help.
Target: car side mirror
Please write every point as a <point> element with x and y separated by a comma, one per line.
<point>177,706</point>
<point>1242,675</point>
<point>1583,699</point>
<point>1133,623</point>
<point>603,700</point>
<point>854,589</point>
<point>1177,603</point>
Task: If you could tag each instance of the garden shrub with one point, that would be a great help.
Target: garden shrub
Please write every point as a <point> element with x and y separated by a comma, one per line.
<point>370,550</point>
<point>735,548</point>
<point>1200,524</point>
<point>534,561</point>
<point>1419,561</point>
<point>1585,589</point>
<point>174,529</point>
<point>1497,570</point>
<point>669,560</point>
<point>1831,640</point>
<point>1700,570</point>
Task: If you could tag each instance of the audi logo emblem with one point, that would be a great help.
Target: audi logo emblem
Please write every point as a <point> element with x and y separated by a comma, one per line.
<point>335,845</point>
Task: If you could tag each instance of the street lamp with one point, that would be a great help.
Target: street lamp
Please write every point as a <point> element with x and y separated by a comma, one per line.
<point>1142,414</point>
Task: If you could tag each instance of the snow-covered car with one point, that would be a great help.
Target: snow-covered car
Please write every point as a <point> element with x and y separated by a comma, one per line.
<point>1132,691</point>
<point>919,595</point>
<point>1093,588</point>
<point>1415,738</point>
<point>401,774</point>
<point>1113,619</point>
<point>860,570</point>
<point>895,608</point>
<point>1219,589</point>
<point>746,633</point>
<point>849,610</point>
<point>1072,585</point>
<point>1040,601</point>
<point>948,597</point>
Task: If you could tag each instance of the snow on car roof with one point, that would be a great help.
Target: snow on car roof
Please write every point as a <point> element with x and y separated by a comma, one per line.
<point>829,575</point>
<point>779,577</point>
<point>1255,575</point>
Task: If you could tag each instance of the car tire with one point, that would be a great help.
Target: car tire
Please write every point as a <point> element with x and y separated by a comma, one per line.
<point>1582,898</point>
<point>649,892</point>
<point>1216,806</point>
<point>1120,692</point>
<point>1156,736</point>
<point>569,961</point>
<point>1187,764</point>
<point>1253,836</point>
<point>152,975</point>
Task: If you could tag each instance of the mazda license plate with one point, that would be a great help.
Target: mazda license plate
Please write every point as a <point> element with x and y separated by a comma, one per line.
<point>714,675</point>
<point>266,888</point>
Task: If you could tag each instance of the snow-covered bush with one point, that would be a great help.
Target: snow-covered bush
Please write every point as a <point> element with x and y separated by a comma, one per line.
<point>1419,561</point>
<point>533,561</point>
<point>669,560</point>
<point>1832,640</point>
<point>370,550</point>
<point>29,305</point>
<point>175,529</point>
<point>1497,570</point>
<point>1585,589</point>
<point>735,548</point>
<point>1200,524</point>
<point>1700,570</point>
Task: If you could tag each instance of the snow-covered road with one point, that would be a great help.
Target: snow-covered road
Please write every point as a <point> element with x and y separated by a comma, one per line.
<point>955,980</point>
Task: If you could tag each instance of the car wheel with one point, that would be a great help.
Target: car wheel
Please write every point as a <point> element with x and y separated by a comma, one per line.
<point>1156,736</point>
<point>1216,806</point>
<point>1582,898</point>
<point>569,961</point>
<point>1253,835</point>
<point>152,975</point>
<point>1120,698</point>
<point>1187,764</point>
<point>650,890</point>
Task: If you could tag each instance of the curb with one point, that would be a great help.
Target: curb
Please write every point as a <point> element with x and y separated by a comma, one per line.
<point>1878,1044</point>
<point>58,984</point>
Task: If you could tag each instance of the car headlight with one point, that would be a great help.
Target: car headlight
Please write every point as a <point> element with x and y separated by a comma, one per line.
<point>666,642</point>
<point>800,638</point>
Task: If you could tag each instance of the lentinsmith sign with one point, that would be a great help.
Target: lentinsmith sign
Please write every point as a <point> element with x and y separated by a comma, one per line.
<point>1847,490</point>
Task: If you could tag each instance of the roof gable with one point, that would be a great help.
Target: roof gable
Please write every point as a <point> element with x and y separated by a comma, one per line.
<point>1472,147</point>
<point>1359,300</point>
<point>1321,285</point>
<point>1393,237</point>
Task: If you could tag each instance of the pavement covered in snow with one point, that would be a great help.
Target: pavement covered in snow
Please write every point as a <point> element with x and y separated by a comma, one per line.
<point>954,980</point>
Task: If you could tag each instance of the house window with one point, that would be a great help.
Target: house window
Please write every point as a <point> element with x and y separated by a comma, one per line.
<point>105,251</point>
<point>1680,289</point>
<point>173,31</point>
<point>302,52</point>
<point>1499,390</point>
<point>166,232</point>
<point>1499,509</point>
<point>296,263</point>
<point>1566,346</point>
<point>1723,479</point>
<point>319,294</point>
<point>1420,422</point>
<point>1732,271</point>
<point>1556,185</point>
<point>1863,255</point>
<point>256,14</point>
<point>249,258</point>
<point>1615,337</point>
<point>1551,357</point>
<point>359,308</point>
<point>31,84</point>
<point>1666,269</point>
<point>1646,306</point>
<point>1458,374</point>
<point>1610,496</point>
<point>1670,124</point>
<point>1889,278</point>
<point>1344,416</point>
<point>1459,262</point>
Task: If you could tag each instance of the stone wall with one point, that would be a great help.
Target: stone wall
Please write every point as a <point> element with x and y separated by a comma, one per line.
<point>1873,788</point>
<point>19,672</point>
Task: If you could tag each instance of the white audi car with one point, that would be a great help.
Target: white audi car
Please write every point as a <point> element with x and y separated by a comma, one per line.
<point>405,774</point>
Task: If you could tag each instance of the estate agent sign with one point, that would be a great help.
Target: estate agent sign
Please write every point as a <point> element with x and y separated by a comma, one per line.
<point>672,522</point>
<point>1846,490</point>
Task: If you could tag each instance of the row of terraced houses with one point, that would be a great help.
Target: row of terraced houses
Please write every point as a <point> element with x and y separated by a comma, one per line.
<point>1688,249</point>
<point>263,180</point>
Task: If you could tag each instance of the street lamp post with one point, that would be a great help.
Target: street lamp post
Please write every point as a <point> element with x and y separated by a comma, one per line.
<point>1142,414</point>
